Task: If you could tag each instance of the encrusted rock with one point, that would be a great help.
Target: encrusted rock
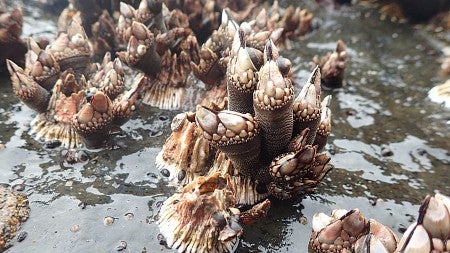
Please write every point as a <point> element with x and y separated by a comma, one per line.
<point>14,210</point>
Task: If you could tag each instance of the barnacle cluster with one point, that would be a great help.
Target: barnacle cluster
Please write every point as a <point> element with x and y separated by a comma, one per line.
<point>250,137</point>
<point>265,142</point>
<point>162,39</point>
<point>349,231</point>
<point>214,224</point>
<point>78,102</point>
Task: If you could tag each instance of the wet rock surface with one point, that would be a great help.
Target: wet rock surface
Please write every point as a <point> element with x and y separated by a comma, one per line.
<point>383,102</point>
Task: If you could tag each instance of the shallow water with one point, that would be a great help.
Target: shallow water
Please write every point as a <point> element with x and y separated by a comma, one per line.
<point>384,102</point>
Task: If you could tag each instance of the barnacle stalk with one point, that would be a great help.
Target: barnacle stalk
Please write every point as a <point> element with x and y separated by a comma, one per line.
<point>43,67</point>
<point>333,66</point>
<point>307,107</point>
<point>12,47</point>
<point>273,101</point>
<point>94,120</point>
<point>233,133</point>
<point>104,35</point>
<point>141,52</point>
<point>72,49</point>
<point>212,64</point>
<point>26,89</point>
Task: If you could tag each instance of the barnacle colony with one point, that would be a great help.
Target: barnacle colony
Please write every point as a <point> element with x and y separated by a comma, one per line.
<point>78,102</point>
<point>263,144</point>
<point>163,43</point>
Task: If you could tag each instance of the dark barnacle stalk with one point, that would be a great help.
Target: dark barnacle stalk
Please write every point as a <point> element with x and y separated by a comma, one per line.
<point>238,136</point>
<point>160,44</point>
<point>214,53</point>
<point>272,102</point>
<point>90,11</point>
<point>150,13</point>
<point>104,37</point>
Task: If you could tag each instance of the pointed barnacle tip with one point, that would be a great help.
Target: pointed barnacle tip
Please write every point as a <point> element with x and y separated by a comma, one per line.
<point>11,66</point>
<point>340,46</point>
<point>30,42</point>
<point>224,17</point>
<point>75,27</point>
<point>315,73</point>
<point>423,209</point>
